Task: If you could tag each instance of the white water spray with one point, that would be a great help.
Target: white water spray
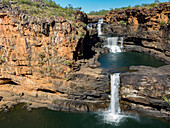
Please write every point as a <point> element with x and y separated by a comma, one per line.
<point>113,114</point>
<point>114,105</point>
<point>100,22</point>
<point>90,26</point>
<point>112,44</point>
<point>121,43</point>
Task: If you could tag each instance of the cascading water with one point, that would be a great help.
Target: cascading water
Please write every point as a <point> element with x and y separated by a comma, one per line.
<point>100,22</point>
<point>113,114</point>
<point>90,25</point>
<point>121,42</point>
<point>114,105</point>
<point>112,44</point>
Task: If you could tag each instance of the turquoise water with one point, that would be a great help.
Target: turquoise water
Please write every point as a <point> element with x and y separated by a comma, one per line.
<point>120,62</point>
<point>43,118</point>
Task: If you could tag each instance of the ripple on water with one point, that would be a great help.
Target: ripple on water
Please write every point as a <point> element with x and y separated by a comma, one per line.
<point>114,119</point>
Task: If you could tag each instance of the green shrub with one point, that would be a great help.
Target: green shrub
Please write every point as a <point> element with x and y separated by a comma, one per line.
<point>67,79</point>
<point>5,2</point>
<point>2,59</point>
<point>36,4</point>
<point>52,9</point>
<point>137,6</point>
<point>50,3</point>
<point>29,103</point>
<point>81,34</point>
<point>100,12</point>
<point>39,55</point>
<point>152,5</point>
<point>165,98</point>
<point>162,23</point>
<point>48,69</point>
<point>40,71</point>
<point>24,2</point>
<point>53,101</point>
<point>122,22</point>
<point>68,63</point>
<point>41,62</point>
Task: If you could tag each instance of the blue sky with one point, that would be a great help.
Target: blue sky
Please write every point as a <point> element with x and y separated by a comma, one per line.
<point>96,5</point>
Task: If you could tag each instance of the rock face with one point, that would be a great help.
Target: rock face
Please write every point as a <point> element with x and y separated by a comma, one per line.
<point>149,28</point>
<point>94,19</point>
<point>37,63</point>
<point>87,90</point>
<point>144,89</point>
<point>34,46</point>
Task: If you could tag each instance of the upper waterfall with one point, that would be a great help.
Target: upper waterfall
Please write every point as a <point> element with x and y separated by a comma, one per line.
<point>100,22</point>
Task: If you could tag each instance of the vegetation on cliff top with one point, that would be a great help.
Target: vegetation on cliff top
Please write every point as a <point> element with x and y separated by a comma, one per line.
<point>105,12</point>
<point>43,8</point>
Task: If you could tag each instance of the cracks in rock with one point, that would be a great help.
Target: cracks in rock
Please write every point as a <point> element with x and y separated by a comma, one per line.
<point>50,91</point>
<point>1,98</point>
<point>12,83</point>
<point>94,96</point>
<point>46,90</point>
<point>147,105</point>
<point>138,42</point>
<point>7,81</point>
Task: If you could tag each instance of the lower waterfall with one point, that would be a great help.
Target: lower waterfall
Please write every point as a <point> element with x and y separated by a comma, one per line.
<point>113,115</point>
<point>114,105</point>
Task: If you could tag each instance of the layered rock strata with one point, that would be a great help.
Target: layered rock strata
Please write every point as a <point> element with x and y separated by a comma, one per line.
<point>38,63</point>
<point>144,90</point>
<point>149,28</point>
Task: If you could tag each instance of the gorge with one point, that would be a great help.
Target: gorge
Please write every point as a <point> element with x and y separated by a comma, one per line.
<point>67,63</point>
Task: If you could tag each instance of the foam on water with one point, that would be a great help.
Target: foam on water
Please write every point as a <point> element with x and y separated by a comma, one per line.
<point>112,44</point>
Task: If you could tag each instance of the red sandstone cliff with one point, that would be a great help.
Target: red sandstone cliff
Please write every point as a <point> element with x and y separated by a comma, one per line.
<point>147,27</point>
<point>38,56</point>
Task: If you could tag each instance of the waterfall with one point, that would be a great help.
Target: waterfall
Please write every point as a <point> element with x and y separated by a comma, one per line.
<point>112,44</point>
<point>113,114</point>
<point>121,43</point>
<point>114,105</point>
<point>90,26</point>
<point>100,22</point>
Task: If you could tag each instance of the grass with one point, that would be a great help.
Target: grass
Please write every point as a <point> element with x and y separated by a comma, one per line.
<point>50,8</point>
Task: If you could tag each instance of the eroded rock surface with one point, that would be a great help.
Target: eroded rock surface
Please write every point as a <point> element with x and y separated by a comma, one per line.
<point>38,63</point>
<point>144,89</point>
<point>149,28</point>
